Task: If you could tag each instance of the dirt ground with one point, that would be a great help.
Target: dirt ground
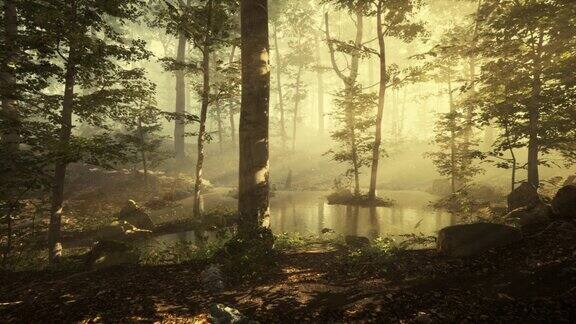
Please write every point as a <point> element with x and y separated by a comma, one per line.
<point>532,281</point>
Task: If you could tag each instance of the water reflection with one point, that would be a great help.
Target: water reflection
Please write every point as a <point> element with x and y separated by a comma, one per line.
<point>308,213</point>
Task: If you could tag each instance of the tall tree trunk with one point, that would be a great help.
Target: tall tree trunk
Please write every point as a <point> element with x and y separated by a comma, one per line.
<point>143,151</point>
<point>231,104</point>
<point>253,186</point>
<point>296,104</point>
<point>203,112</point>
<point>512,155</point>
<point>232,125</point>
<point>10,136</point>
<point>472,74</point>
<point>349,82</point>
<point>381,100</point>
<point>283,134</point>
<point>354,65</point>
<point>452,124</point>
<point>402,113</point>
<point>180,109</point>
<point>54,244</point>
<point>219,123</point>
<point>534,116</point>
<point>320,80</point>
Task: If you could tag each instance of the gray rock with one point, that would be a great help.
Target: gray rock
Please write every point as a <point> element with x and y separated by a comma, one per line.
<point>356,241</point>
<point>223,314</point>
<point>528,216</point>
<point>526,195</point>
<point>121,230</point>
<point>471,239</point>
<point>106,254</point>
<point>213,278</point>
<point>327,230</point>
<point>136,216</point>
<point>564,202</point>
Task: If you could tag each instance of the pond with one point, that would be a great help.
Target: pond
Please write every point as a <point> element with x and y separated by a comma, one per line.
<point>308,213</point>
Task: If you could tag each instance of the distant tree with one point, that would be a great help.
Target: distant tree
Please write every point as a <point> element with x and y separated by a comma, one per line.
<point>354,50</point>
<point>141,132</point>
<point>226,95</point>
<point>174,18</point>
<point>300,37</point>
<point>211,29</point>
<point>277,10</point>
<point>393,19</point>
<point>88,52</point>
<point>354,114</point>
<point>457,150</point>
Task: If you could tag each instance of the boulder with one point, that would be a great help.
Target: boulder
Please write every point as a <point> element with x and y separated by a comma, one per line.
<point>470,239</point>
<point>564,202</point>
<point>526,195</point>
<point>133,232</point>
<point>112,231</point>
<point>356,241</point>
<point>106,254</point>
<point>226,315</point>
<point>528,216</point>
<point>213,278</point>
<point>135,215</point>
<point>121,230</point>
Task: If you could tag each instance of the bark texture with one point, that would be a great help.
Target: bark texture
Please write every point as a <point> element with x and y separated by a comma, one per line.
<point>180,109</point>
<point>203,113</point>
<point>381,100</point>
<point>253,186</point>
<point>54,230</point>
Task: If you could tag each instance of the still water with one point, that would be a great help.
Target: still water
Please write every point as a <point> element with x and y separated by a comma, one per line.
<point>308,213</point>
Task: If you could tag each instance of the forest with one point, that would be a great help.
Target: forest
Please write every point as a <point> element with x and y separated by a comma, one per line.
<point>287,161</point>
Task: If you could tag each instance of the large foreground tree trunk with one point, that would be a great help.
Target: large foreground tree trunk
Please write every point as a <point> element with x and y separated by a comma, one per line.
<point>381,100</point>
<point>253,186</point>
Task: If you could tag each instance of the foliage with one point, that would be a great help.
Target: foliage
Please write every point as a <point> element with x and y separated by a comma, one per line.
<point>454,130</point>
<point>381,256</point>
<point>290,241</point>
<point>527,78</point>
<point>179,252</point>
<point>354,115</point>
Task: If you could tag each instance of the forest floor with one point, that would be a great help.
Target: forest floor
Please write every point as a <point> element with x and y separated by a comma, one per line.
<point>534,280</point>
